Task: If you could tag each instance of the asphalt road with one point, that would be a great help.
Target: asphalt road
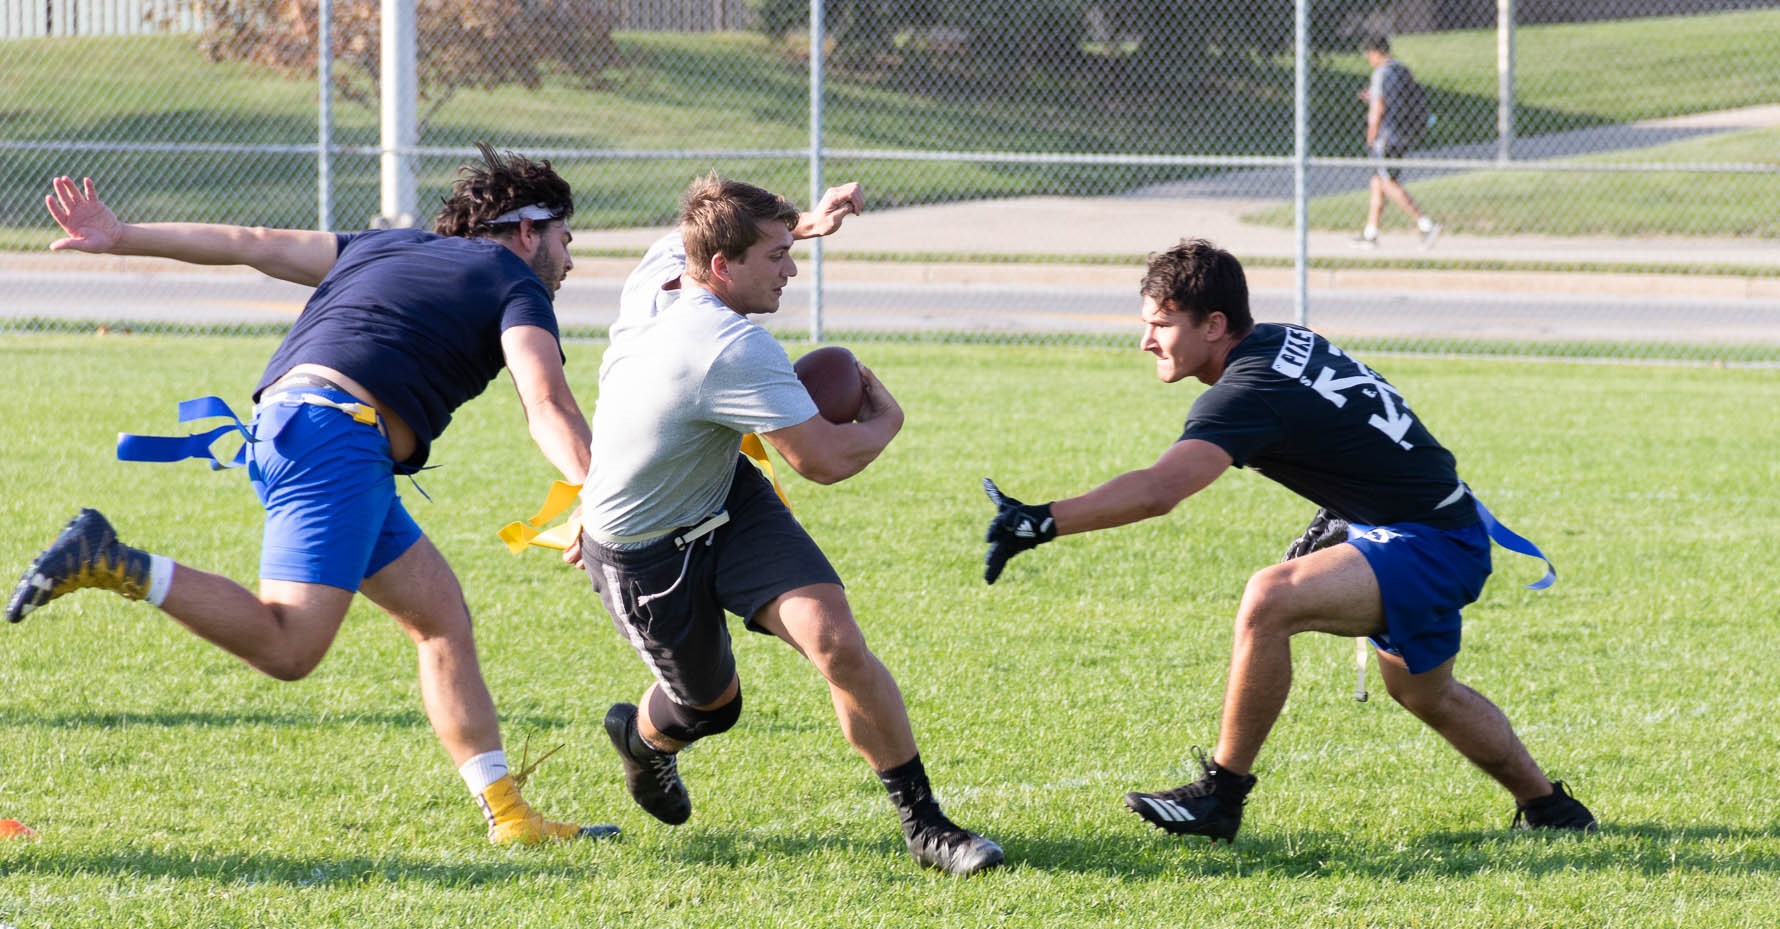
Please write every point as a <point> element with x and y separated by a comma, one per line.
<point>222,298</point>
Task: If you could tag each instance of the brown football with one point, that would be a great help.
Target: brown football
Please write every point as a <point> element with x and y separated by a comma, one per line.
<point>831,375</point>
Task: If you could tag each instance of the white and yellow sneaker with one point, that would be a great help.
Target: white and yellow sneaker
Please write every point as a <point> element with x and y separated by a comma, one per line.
<point>512,821</point>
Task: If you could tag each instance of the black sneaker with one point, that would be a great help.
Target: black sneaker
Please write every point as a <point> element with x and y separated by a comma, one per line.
<point>1556,810</point>
<point>1210,806</point>
<point>942,844</point>
<point>86,554</point>
<point>653,777</point>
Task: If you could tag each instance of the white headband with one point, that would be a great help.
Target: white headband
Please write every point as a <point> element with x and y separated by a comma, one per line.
<point>534,213</point>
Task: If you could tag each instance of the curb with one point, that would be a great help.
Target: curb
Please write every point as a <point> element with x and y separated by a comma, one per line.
<point>1713,287</point>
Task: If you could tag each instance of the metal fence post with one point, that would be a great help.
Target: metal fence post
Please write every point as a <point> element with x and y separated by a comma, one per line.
<point>1504,80</point>
<point>1300,156</point>
<point>816,27</point>
<point>398,132</point>
<point>324,145</point>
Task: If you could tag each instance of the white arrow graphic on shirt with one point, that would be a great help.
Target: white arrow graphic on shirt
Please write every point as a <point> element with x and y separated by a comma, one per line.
<point>1331,386</point>
<point>1394,423</point>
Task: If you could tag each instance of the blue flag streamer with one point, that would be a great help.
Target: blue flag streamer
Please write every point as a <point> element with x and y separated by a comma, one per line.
<point>1515,542</point>
<point>165,448</point>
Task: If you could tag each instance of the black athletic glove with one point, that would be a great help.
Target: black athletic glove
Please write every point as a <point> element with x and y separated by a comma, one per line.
<point>1015,528</point>
<point>1326,529</point>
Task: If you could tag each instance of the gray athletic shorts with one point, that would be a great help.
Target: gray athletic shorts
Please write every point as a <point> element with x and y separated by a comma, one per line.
<point>1383,152</point>
<point>668,597</point>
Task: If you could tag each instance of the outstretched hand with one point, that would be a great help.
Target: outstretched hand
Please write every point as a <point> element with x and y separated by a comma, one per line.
<point>1016,527</point>
<point>90,224</point>
<point>825,219</point>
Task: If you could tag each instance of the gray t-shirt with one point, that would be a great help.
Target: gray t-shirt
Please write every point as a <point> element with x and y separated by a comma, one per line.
<point>643,296</point>
<point>679,387</point>
<point>1387,84</point>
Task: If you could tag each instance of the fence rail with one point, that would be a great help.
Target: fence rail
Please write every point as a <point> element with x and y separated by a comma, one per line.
<point>1019,162</point>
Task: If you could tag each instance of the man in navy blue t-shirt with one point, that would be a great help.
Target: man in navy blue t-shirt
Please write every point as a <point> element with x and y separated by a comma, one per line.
<point>403,328</point>
<point>1287,404</point>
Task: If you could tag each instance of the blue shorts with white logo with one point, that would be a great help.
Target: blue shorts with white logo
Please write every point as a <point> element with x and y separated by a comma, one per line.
<point>328,485</point>
<point>1426,576</point>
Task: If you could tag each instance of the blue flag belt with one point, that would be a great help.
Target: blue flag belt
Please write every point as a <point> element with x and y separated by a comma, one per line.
<point>167,448</point>
<point>164,448</point>
<point>1513,541</point>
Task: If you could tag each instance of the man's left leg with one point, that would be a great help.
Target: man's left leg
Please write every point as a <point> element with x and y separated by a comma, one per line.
<point>1332,591</point>
<point>817,621</point>
<point>419,591</point>
<point>1481,732</point>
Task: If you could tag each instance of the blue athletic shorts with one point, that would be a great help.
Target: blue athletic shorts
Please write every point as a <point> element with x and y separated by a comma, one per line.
<point>329,488</point>
<point>1426,576</point>
<point>669,600</point>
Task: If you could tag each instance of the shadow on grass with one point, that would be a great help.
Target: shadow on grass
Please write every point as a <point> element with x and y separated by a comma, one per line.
<point>723,850</point>
<point>293,870</point>
<point>1650,849</point>
<point>200,719</point>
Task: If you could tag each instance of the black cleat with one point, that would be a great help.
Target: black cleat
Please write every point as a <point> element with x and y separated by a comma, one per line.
<point>1210,806</point>
<point>944,845</point>
<point>653,777</point>
<point>86,554</point>
<point>1556,810</point>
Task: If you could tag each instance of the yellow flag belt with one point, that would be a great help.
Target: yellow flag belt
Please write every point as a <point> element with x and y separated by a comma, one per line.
<point>522,534</point>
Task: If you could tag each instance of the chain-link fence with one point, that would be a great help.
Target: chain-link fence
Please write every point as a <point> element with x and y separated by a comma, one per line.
<point>1597,180</point>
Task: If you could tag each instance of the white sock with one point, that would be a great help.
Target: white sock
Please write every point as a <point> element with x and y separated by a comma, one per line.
<point>1424,224</point>
<point>160,577</point>
<point>1370,232</point>
<point>483,770</point>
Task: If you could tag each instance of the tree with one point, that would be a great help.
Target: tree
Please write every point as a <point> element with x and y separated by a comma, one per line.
<point>1128,49</point>
<point>477,44</point>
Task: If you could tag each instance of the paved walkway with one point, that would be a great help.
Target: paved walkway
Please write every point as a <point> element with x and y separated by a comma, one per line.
<point>1155,217</point>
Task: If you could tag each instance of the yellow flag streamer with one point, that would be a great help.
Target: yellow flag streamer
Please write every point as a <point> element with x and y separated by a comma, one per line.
<point>561,499</point>
<point>523,534</point>
<point>756,452</point>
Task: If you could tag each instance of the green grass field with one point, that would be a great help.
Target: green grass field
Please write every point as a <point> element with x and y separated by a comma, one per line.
<point>741,92</point>
<point>174,787</point>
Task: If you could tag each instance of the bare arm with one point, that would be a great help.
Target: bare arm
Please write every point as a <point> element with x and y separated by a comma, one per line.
<point>828,453</point>
<point>1374,117</point>
<point>1185,469</point>
<point>301,256</point>
<point>551,414</point>
<point>825,218</point>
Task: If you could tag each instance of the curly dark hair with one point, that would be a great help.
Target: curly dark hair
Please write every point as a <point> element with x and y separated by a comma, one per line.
<point>500,184</point>
<point>1198,278</point>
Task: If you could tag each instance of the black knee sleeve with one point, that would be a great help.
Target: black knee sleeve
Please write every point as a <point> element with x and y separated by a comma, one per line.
<point>685,724</point>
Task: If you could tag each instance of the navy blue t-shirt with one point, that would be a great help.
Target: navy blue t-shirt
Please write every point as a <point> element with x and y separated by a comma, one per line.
<point>417,319</point>
<point>1296,409</point>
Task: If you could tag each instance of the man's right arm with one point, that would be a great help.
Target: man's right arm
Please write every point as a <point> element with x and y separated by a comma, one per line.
<point>1186,468</point>
<point>301,256</point>
<point>828,453</point>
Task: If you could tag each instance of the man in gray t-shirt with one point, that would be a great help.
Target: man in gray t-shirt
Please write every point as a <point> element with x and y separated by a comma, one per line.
<point>1388,137</point>
<point>678,528</point>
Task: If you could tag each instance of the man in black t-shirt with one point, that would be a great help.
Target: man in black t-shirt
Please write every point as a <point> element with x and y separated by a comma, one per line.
<point>1286,403</point>
<point>403,327</point>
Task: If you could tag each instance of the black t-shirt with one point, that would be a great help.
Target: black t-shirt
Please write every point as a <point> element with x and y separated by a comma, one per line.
<point>417,319</point>
<point>1300,411</point>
